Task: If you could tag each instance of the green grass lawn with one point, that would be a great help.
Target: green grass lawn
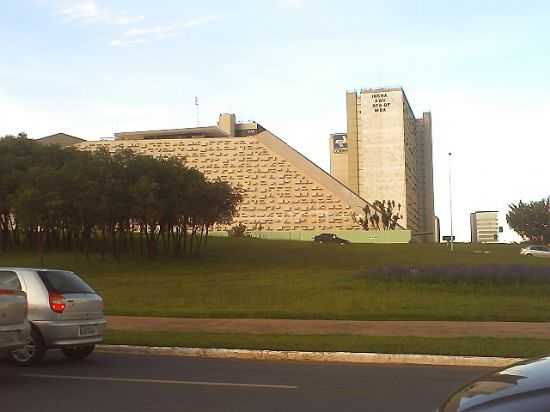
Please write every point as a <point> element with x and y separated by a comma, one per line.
<point>470,346</point>
<point>251,278</point>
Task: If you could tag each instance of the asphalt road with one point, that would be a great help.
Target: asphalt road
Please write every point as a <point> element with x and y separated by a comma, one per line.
<point>110,383</point>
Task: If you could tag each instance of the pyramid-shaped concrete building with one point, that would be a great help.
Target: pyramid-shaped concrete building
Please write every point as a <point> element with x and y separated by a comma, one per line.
<point>285,195</point>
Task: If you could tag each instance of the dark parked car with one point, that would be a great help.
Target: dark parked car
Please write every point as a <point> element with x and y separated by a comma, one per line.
<point>330,238</point>
<point>523,387</point>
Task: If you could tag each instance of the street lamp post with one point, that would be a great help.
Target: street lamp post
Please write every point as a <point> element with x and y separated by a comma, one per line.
<point>451,202</point>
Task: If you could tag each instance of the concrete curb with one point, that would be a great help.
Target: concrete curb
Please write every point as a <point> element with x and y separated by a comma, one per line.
<point>342,357</point>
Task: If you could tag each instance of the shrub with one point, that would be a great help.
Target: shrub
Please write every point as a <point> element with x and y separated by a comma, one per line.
<point>455,273</point>
<point>238,231</point>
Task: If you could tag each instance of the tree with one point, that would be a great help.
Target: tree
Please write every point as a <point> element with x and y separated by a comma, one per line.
<point>56,198</point>
<point>380,216</point>
<point>531,220</point>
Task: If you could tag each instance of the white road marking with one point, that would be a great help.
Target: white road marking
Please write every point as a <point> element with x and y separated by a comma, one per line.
<point>160,381</point>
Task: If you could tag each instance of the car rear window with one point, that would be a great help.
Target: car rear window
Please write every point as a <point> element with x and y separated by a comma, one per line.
<point>9,280</point>
<point>59,281</point>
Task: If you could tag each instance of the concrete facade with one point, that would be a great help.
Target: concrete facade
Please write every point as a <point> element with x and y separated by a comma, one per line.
<point>283,192</point>
<point>389,156</point>
<point>424,175</point>
<point>484,226</point>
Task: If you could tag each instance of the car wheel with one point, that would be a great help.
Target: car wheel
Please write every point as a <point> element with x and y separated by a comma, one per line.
<point>528,254</point>
<point>30,354</point>
<point>79,352</point>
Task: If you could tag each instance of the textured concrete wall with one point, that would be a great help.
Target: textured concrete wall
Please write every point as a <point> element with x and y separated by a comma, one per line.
<point>283,191</point>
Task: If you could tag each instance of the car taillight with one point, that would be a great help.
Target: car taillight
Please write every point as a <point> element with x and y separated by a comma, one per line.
<point>57,302</point>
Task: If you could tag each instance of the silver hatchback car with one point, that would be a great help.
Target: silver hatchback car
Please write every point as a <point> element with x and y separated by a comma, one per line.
<point>64,311</point>
<point>14,328</point>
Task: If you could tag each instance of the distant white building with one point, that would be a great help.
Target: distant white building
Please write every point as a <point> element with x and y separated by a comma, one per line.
<point>484,226</point>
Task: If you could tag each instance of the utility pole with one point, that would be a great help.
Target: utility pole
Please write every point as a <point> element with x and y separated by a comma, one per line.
<point>451,202</point>
<point>197,108</point>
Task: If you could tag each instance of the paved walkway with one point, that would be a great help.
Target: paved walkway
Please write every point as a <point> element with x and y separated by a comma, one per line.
<point>333,327</point>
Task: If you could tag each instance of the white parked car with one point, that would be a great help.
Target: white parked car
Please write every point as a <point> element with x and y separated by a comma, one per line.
<point>536,250</point>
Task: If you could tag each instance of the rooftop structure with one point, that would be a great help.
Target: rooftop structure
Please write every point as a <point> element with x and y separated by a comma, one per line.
<point>60,139</point>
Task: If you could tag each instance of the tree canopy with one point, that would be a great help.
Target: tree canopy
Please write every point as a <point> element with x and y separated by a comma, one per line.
<point>531,220</point>
<point>54,198</point>
<point>382,215</point>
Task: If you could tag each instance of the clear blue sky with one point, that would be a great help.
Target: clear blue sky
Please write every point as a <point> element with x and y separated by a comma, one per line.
<point>93,67</point>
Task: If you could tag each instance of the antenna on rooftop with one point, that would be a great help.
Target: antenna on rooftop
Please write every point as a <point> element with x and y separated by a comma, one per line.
<point>197,108</point>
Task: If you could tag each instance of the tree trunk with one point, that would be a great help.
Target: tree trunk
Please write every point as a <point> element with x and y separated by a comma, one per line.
<point>103,241</point>
<point>141,239</point>
<point>41,242</point>
<point>184,238</point>
<point>200,240</point>
<point>114,241</point>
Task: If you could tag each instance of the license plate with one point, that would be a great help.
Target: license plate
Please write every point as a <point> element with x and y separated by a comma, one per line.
<point>88,330</point>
